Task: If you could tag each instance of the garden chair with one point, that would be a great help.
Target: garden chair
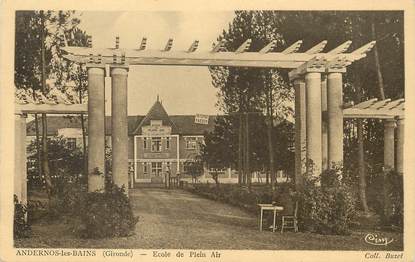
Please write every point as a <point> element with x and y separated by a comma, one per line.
<point>290,221</point>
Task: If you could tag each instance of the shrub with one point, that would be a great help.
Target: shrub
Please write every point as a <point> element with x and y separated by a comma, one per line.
<point>21,229</point>
<point>393,214</point>
<point>107,214</point>
<point>327,204</point>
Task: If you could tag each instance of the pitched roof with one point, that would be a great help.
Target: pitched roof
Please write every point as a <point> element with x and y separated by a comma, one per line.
<point>156,112</point>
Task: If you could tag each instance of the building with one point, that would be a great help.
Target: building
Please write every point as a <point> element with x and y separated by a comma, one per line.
<point>157,142</point>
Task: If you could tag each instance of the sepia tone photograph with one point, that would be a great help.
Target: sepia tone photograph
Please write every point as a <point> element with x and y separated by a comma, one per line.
<point>208,130</point>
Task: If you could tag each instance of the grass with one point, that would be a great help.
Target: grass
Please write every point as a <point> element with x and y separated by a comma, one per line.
<point>174,219</point>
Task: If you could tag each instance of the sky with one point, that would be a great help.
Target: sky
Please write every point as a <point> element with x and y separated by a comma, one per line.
<point>182,89</point>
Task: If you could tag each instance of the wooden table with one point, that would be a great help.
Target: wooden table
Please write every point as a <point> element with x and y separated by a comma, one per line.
<point>269,207</point>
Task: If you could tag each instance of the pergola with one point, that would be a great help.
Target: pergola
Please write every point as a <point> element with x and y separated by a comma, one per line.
<point>317,78</point>
<point>393,115</point>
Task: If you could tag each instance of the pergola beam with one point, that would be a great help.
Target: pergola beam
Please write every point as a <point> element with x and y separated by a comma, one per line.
<point>293,48</point>
<point>269,47</point>
<point>169,45</point>
<point>317,48</point>
<point>219,46</point>
<point>341,48</point>
<point>384,109</point>
<point>244,47</point>
<point>51,109</point>
<point>217,57</point>
<point>193,47</point>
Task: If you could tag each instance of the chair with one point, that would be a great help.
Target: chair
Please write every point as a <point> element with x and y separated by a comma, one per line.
<point>290,221</point>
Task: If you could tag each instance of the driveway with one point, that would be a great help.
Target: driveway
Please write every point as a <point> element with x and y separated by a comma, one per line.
<point>176,219</point>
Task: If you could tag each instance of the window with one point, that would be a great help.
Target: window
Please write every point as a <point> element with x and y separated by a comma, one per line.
<point>71,143</point>
<point>145,168</point>
<point>167,142</point>
<point>156,122</point>
<point>156,144</point>
<point>156,168</point>
<point>145,142</point>
<point>191,143</point>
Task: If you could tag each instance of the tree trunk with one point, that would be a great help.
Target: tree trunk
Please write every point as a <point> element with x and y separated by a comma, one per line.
<point>377,64</point>
<point>269,133</point>
<point>361,166</point>
<point>85,157</point>
<point>45,159</point>
<point>247,154</point>
<point>240,152</point>
<point>361,152</point>
<point>38,148</point>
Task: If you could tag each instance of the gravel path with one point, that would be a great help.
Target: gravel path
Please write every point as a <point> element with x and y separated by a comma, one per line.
<point>173,219</point>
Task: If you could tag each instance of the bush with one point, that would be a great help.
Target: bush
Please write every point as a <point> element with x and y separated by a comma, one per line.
<point>393,214</point>
<point>327,204</point>
<point>107,214</point>
<point>240,196</point>
<point>21,229</point>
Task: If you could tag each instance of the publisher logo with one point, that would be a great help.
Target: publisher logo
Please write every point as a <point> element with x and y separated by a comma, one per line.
<point>377,240</point>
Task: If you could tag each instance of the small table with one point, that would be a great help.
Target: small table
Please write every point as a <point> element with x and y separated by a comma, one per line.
<point>270,207</point>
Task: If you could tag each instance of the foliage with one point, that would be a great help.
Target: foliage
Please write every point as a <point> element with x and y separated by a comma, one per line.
<point>327,203</point>
<point>221,145</point>
<point>194,167</point>
<point>65,164</point>
<point>385,196</point>
<point>60,28</point>
<point>394,180</point>
<point>107,214</point>
<point>21,229</point>
<point>240,196</point>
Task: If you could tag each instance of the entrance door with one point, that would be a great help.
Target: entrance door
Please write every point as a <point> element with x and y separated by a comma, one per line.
<point>156,172</point>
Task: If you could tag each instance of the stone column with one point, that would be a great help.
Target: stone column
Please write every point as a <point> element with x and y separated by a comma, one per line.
<point>300,131</point>
<point>324,127</point>
<point>96,129</point>
<point>119,125</point>
<point>335,118</point>
<point>400,145</point>
<point>389,144</point>
<point>20,171</point>
<point>313,121</point>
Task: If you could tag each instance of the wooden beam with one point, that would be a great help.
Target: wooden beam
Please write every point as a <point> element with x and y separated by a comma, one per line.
<point>379,104</point>
<point>219,46</point>
<point>244,47</point>
<point>365,104</point>
<point>194,46</point>
<point>317,48</point>
<point>317,64</point>
<point>201,58</point>
<point>117,42</point>
<point>341,48</point>
<point>364,49</point>
<point>143,44</point>
<point>293,48</point>
<point>392,104</point>
<point>169,45</point>
<point>338,64</point>
<point>269,47</point>
<point>51,109</point>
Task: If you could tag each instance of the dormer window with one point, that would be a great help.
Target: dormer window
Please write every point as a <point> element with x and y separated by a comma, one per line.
<point>156,122</point>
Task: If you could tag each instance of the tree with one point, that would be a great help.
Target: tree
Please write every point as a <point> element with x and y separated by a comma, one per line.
<point>246,90</point>
<point>379,75</point>
<point>64,162</point>
<point>39,64</point>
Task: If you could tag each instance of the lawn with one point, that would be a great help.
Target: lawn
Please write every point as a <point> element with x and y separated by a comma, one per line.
<point>175,219</point>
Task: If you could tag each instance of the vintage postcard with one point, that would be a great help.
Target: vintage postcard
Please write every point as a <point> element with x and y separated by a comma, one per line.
<point>206,131</point>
